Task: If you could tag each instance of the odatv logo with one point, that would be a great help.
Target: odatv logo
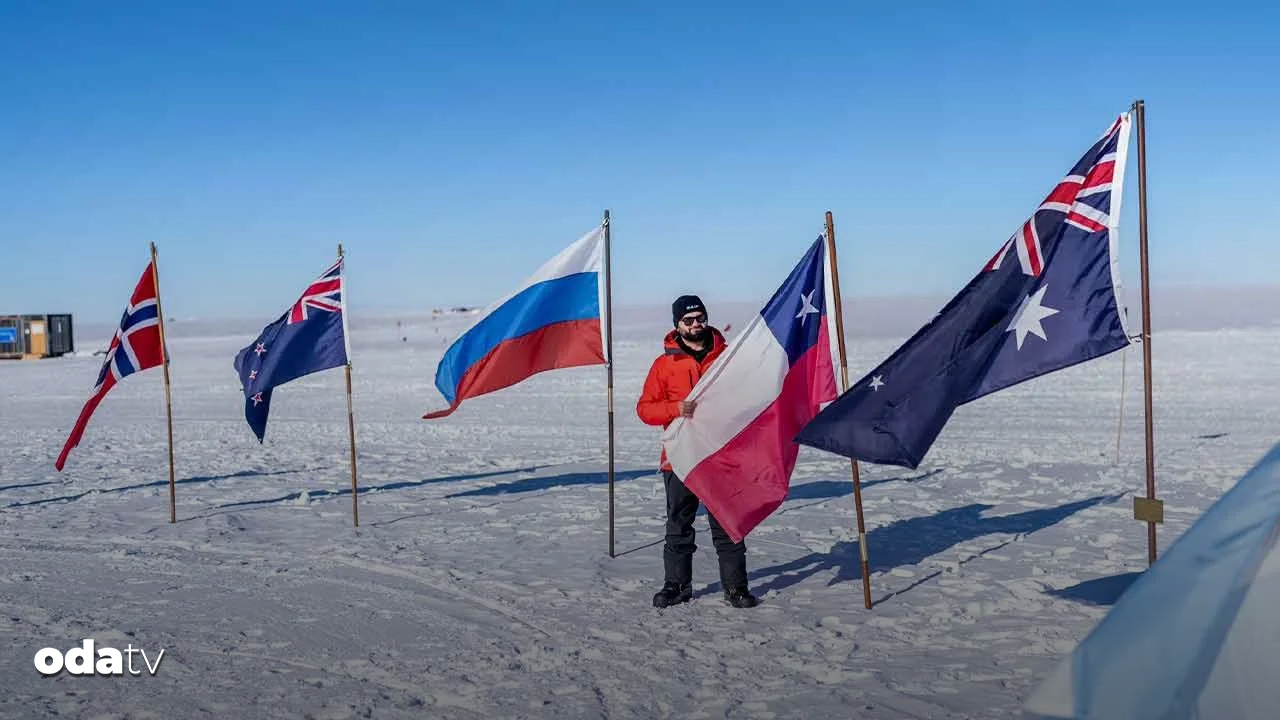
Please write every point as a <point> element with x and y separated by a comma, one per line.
<point>81,660</point>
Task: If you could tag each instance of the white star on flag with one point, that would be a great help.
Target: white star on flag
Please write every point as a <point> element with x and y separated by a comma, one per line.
<point>1030,313</point>
<point>877,382</point>
<point>807,307</point>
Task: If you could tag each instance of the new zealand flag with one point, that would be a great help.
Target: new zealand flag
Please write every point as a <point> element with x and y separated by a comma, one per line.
<point>1045,301</point>
<point>309,337</point>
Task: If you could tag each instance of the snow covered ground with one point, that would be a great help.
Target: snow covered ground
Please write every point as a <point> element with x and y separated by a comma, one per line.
<point>479,585</point>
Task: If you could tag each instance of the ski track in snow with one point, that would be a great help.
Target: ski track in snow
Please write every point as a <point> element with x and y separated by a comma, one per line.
<point>479,584</point>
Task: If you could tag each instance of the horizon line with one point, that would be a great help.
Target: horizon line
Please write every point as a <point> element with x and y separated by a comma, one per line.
<point>387,312</point>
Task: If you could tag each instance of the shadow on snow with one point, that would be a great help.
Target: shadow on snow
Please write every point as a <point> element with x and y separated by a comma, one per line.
<point>518,486</point>
<point>911,541</point>
<point>1099,591</point>
<point>534,484</point>
<point>157,483</point>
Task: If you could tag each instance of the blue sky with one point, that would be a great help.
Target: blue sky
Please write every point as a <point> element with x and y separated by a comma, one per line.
<point>452,148</point>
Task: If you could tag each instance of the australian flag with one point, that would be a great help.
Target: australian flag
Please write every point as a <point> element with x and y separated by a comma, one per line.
<point>1045,301</point>
<point>309,337</point>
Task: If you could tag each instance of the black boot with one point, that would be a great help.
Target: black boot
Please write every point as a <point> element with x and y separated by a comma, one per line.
<point>677,585</point>
<point>672,594</point>
<point>740,597</point>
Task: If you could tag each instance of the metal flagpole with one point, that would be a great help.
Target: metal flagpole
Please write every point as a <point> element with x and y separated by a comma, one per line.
<point>608,339</point>
<point>351,418</point>
<point>168,397</point>
<point>844,386</point>
<point>1148,509</point>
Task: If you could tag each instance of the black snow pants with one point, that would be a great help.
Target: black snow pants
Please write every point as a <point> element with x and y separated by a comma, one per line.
<point>677,553</point>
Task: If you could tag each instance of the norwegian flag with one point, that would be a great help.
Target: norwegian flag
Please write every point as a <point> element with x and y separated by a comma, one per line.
<point>135,347</point>
<point>1057,306</point>
<point>309,337</point>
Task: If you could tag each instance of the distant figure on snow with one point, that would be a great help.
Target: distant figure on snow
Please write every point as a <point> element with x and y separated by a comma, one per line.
<point>689,350</point>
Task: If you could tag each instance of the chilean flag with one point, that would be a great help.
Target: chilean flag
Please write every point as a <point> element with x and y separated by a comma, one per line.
<point>736,453</point>
<point>551,321</point>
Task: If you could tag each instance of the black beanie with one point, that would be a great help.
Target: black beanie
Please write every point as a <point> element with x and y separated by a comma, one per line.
<point>684,305</point>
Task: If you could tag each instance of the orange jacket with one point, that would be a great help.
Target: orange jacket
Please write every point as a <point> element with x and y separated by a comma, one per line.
<point>671,379</point>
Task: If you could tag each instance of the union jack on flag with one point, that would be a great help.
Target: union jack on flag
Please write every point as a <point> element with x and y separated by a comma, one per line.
<point>323,294</point>
<point>1082,199</point>
<point>135,347</point>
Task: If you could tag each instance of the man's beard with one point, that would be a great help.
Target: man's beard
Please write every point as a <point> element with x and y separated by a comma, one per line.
<point>697,336</point>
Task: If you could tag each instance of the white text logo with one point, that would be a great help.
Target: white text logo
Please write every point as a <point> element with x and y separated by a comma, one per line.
<point>83,661</point>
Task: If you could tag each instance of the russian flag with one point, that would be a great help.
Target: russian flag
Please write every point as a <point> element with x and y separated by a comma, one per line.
<point>737,451</point>
<point>551,321</point>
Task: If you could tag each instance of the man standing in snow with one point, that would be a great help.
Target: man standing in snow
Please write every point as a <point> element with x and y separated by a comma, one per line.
<point>689,350</point>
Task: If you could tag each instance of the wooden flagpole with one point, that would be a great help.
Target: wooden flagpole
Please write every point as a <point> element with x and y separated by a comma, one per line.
<point>168,396</point>
<point>844,386</point>
<point>351,417</point>
<point>1149,508</point>
<point>608,339</point>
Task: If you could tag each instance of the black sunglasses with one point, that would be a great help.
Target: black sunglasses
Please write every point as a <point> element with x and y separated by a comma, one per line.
<point>692,319</point>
